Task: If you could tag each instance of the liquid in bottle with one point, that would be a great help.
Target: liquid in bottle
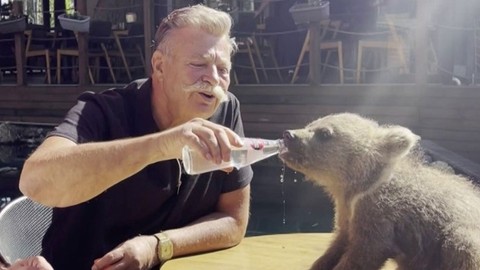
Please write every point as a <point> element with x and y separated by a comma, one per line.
<point>253,150</point>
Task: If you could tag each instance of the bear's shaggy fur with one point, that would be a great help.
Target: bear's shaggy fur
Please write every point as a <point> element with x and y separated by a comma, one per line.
<point>388,203</point>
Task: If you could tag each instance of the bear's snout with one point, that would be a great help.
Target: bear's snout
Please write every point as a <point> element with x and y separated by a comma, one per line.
<point>288,137</point>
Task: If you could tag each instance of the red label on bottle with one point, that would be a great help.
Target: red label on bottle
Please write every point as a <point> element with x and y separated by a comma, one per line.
<point>257,144</point>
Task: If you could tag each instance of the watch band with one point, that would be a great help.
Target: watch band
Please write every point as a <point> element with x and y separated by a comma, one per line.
<point>164,247</point>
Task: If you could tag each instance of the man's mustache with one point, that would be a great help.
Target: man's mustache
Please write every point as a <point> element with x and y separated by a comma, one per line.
<point>216,91</point>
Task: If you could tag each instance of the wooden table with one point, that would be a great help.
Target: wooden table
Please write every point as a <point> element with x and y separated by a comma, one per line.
<point>267,252</point>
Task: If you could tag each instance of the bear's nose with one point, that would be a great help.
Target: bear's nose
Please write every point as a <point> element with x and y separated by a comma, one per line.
<point>288,135</point>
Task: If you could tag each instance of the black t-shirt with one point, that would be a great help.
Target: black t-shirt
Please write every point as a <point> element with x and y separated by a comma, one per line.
<point>145,203</point>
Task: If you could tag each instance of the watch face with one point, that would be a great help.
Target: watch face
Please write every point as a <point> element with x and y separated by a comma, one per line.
<point>164,248</point>
<point>167,251</point>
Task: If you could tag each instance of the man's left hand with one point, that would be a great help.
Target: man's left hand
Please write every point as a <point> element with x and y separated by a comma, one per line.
<point>136,253</point>
<point>30,263</point>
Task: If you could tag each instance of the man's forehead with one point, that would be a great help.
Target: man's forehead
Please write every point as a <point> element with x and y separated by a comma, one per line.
<point>201,43</point>
<point>217,54</point>
<point>213,53</point>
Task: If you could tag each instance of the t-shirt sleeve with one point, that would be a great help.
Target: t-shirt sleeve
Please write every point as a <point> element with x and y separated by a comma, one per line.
<point>84,122</point>
<point>237,179</point>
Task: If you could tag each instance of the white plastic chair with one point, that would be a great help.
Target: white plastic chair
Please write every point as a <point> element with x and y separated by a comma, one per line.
<point>23,224</point>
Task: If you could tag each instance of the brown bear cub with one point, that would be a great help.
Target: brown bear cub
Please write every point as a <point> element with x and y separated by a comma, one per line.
<point>388,203</point>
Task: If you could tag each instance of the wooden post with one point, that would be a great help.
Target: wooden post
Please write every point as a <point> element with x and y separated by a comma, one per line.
<point>59,7</point>
<point>46,13</point>
<point>82,48</point>
<point>82,58</point>
<point>421,42</point>
<point>314,53</point>
<point>148,22</point>
<point>20,57</point>
<point>17,10</point>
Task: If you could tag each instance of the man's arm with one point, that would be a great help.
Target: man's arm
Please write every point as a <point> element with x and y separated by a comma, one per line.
<point>62,173</point>
<point>222,229</point>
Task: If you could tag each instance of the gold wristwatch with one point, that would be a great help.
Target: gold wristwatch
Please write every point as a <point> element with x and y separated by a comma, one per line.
<point>164,247</point>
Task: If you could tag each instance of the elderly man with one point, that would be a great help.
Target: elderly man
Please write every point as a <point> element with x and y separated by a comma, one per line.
<point>112,168</point>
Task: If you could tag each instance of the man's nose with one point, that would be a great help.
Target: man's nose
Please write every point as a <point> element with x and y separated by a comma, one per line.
<point>212,76</point>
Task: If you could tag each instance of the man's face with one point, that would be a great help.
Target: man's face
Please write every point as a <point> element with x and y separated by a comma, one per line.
<point>195,74</point>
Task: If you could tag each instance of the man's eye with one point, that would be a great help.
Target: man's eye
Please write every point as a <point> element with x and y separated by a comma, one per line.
<point>224,70</point>
<point>197,64</point>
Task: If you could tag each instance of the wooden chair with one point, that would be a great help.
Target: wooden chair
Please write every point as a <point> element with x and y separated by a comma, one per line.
<point>266,48</point>
<point>69,51</point>
<point>100,36</point>
<point>246,46</point>
<point>244,32</point>
<point>328,43</point>
<point>129,43</point>
<point>38,46</point>
<point>393,43</point>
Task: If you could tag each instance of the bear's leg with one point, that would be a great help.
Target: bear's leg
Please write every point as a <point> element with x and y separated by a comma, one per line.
<point>333,254</point>
<point>363,255</point>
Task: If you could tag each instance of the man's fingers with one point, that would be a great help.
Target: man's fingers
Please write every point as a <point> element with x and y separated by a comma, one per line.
<point>110,258</point>
<point>214,141</point>
<point>228,170</point>
<point>218,143</point>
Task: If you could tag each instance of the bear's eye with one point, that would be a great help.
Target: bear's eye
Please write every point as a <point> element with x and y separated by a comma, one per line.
<point>323,133</point>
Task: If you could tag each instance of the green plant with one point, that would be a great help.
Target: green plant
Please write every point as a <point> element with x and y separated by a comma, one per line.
<point>75,16</point>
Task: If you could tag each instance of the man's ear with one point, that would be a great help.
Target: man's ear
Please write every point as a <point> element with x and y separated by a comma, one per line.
<point>158,60</point>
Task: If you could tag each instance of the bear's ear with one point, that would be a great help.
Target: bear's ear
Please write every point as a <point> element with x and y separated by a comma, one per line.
<point>396,141</point>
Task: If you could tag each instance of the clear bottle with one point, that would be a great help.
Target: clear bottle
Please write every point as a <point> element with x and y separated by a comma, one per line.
<point>253,150</point>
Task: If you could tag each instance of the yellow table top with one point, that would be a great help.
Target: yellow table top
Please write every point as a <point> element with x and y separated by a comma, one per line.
<point>266,252</point>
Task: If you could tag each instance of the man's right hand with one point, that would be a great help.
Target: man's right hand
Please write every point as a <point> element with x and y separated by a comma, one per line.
<point>214,141</point>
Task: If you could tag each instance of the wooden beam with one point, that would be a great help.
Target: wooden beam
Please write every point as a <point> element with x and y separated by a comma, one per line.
<point>82,47</point>
<point>421,42</point>
<point>82,7</point>
<point>17,10</point>
<point>46,13</point>
<point>148,22</point>
<point>59,7</point>
<point>20,57</point>
<point>314,53</point>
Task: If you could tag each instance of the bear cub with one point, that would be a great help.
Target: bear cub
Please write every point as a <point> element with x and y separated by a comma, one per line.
<point>388,202</point>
